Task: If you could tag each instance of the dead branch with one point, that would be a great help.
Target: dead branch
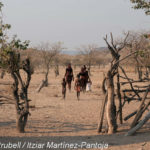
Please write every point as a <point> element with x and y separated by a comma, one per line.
<point>139,125</point>
<point>125,78</point>
<point>135,90</point>
<point>129,82</point>
<point>130,115</point>
<point>135,81</point>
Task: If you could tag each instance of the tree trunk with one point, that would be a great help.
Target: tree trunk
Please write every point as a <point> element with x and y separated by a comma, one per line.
<point>41,86</point>
<point>44,82</point>
<point>111,108</point>
<point>21,96</point>
<point>46,77</point>
<point>21,122</point>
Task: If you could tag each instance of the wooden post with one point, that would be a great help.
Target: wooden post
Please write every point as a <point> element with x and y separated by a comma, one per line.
<point>100,124</point>
<point>119,98</point>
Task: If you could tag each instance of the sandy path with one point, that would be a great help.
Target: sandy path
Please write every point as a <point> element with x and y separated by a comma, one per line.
<point>72,121</point>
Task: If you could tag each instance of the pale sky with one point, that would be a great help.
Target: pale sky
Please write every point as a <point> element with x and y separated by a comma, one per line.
<point>74,22</point>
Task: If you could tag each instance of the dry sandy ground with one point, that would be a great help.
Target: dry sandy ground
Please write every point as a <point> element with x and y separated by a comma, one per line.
<point>70,120</point>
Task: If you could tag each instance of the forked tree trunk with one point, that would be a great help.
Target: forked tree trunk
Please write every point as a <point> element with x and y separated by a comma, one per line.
<point>21,96</point>
<point>110,107</point>
<point>22,108</point>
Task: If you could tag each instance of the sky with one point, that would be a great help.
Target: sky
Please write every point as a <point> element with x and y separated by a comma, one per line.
<point>74,22</point>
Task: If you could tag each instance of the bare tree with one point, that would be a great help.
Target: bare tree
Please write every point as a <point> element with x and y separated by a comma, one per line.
<point>133,88</point>
<point>49,52</point>
<point>140,43</point>
<point>111,113</point>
